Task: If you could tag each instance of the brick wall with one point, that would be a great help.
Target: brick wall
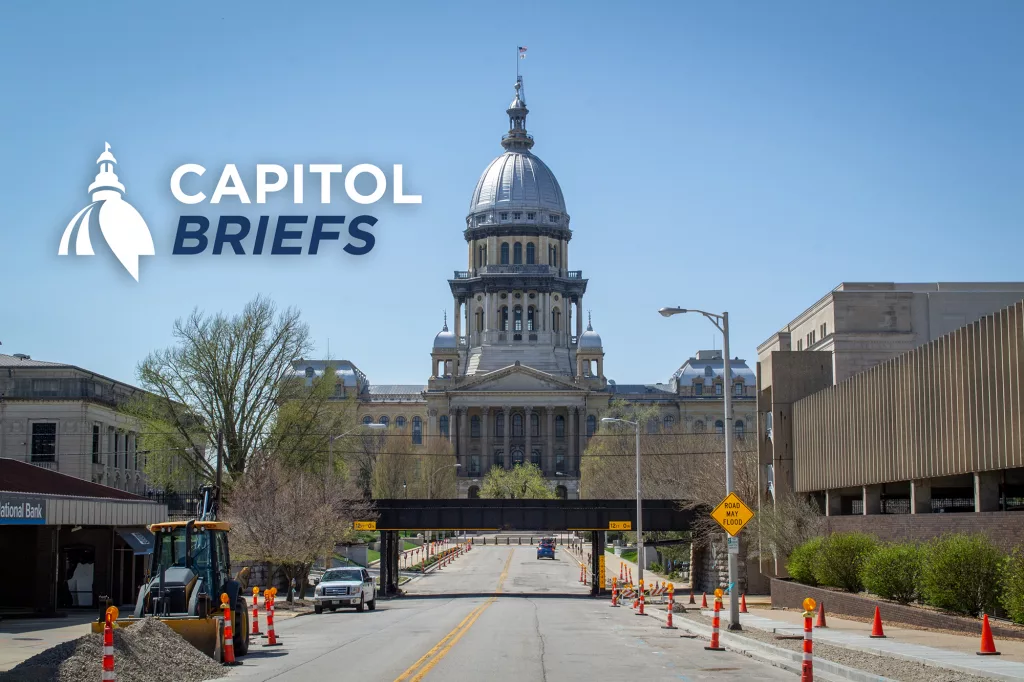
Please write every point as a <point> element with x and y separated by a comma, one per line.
<point>788,594</point>
<point>1005,529</point>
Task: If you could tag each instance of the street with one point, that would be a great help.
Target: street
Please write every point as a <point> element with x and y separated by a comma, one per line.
<point>499,614</point>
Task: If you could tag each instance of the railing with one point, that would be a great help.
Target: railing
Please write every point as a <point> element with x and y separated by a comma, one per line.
<point>461,274</point>
<point>44,464</point>
<point>179,505</point>
<point>531,269</point>
<point>574,274</point>
<point>508,136</point>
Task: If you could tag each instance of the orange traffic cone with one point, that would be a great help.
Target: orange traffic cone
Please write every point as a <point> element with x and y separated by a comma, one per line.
<point>743,603</point>
<point>876,625</point>
<point>704,601</point>
<point>692,600</point>
<point>820,622</point>
<point>988,647</point>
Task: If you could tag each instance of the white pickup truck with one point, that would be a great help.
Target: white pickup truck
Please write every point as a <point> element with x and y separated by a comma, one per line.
<point>349,586</point>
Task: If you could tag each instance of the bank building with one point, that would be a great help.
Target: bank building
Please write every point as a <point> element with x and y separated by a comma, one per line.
<point>516,376</point>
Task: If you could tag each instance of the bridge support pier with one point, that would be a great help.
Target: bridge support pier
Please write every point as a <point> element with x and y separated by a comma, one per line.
<point>597,563</point>
<point>389,550</point>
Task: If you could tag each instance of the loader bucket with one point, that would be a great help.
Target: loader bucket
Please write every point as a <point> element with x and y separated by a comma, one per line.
<point>202,633</point>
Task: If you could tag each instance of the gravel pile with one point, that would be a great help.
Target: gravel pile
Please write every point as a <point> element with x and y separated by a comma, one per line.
<point>148,651</point>
<point>886,666</point>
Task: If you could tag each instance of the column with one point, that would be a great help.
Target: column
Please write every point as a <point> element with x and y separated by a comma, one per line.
<point>487,312</point>
<point>453,415</point>
<point>583,430</point>
<point>871,496</point>
<point>545,317</point>
<point>463,437</point>
<point>487,451</point>
<point>986,491</point>
<point>458,318</point>
<point>507,452</point>
<point>833,503</point>
<point>579,317</point>
<point>550,433</point>
<point>921,497</point>
<point>527,415</point>
<point>572,444</point>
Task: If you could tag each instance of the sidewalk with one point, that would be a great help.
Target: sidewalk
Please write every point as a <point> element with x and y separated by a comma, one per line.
<point>942,650</point>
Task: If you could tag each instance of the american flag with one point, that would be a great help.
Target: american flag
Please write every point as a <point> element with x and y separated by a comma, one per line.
<point>522,52</point>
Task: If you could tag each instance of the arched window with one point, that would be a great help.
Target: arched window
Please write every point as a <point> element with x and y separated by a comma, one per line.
<point>561,492</point>
<point>503,313</point>
<point>556,317</point>
<point>530,253</point>
<point>499,425</point>
<point>669,422</point>
<point>400,422</point>
<point>591,425</point>
<point>559,426</point>
<point>310,373</point>
<point>708,372</point>
<point>534,425</point>
<point>517,457</point>
<point>499,459</point>
<point>443,425</point>
<point>517,428</point>
<point>384,420</point>
<point>698,426</point>
<point>417,431</point>
<point>504,253</point>
<point>535,458</point>
<point>517,254</point>
<point>474,492</point>
<point>529,319</point>
<point>367,419</point>
<point>479,319</point>
<point>517,319</point>
<point>740,428</point>
<point>719,427</point>
<point>474,426</point>
<point>474,465</point>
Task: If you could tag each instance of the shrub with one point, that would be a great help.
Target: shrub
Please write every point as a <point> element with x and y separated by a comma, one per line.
<point>1012,584</point>
<point>840,560</point>
<point>893,572</point>
<point>801,561</point>
<point>961,573</point>
<point>655,567</point>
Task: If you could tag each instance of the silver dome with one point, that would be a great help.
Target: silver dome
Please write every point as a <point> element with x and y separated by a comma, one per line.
<point>445,339</point>
<point>589,338</point>
<point>517,180</point>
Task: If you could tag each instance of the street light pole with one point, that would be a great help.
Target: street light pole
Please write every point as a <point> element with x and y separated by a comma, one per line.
<point>722,322</point>
<point>639,498</point>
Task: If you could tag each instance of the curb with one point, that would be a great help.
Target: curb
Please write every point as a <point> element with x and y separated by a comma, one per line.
<point>776,656</point>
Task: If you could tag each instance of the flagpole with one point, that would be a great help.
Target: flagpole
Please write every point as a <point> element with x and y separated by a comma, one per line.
<point>517,63</point>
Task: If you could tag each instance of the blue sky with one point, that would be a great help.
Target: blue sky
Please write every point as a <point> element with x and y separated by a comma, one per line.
<point>721,155</point>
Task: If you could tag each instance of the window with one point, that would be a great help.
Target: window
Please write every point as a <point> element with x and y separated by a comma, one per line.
<point>591,425</point>
<point>740,428</point>
<point>698,426</point>
<point>553,218</point>
<point>517,216</point>
<point>737,388</point>
<point>367,419</point>
<point>44,441</point>
<point>504,253</point>
<point>499,425</point>
<point>443,425</point>
<point>310,373</point>
<point>417,431</point>
<point>535,458</point>
<point>719,427</point>
<point>810,339</point>
<point>529,319</point>
<point>95,443</point>
<point>561,492</point>
<point>531,216</point>
<point>474,464</point>
<point>517,457</point>
<point>708,372</point>
<point>517,254</point>
<point>46,388</point>
<point>504,318</point>
<point>824,329</point>
<point>400,422</point>
<point>474,427</point>
<point>517,427</point>
<point>504,216</point>
<point>718,389</point>
<point>474,492</point>
<point>669,422</point>
<point>652,425</point>
<point>698,389</point>
<point>560,462</point>
<point>518,318</point>
<point>384,420</point>
<point>559,426</point>
<point>534,425</point>
<point>499,458</point>
<point>481,219</point>
<point>799,344</point>
<point>530,253</point>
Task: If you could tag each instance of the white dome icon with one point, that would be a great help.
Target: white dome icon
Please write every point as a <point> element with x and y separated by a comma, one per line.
<point>123,227</point>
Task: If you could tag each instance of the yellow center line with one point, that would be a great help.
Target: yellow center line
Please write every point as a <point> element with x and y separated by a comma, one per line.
<point>441,649</point>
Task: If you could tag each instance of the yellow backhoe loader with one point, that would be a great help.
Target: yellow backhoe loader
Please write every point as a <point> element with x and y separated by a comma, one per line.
<point>190,569</point>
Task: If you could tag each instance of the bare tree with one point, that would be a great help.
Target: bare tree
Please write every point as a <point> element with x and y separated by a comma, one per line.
<point>289,518</point>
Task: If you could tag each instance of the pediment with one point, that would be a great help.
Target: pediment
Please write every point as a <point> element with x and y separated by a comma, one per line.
<point>519,378</point>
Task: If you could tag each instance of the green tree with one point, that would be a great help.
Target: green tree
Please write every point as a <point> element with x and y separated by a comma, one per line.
<point>521,482</point>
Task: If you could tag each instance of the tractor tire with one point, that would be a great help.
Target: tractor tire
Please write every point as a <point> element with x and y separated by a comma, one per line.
<point>240,627</point>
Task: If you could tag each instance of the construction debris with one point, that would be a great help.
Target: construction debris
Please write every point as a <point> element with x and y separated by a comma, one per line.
<point>147,651</point>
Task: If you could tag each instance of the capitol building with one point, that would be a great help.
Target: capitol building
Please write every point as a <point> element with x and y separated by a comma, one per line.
<point>519,375</point>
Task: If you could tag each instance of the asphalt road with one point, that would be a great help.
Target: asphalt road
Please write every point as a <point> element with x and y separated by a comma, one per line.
<point>496,614</point>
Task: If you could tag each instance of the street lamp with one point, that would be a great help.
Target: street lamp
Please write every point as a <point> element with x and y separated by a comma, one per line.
<point>722,323</point>
<point>639,497</point>
<point>330,444</point>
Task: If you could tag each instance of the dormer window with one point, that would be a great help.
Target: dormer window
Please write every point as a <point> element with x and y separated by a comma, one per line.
<point>708,372</point>
<point>517,216</point>
<point>504,216</point>
<point>698,389</point>
<point>531,216</point>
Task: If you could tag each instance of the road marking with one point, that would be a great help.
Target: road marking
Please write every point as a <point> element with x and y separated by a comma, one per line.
<point>441,649</point>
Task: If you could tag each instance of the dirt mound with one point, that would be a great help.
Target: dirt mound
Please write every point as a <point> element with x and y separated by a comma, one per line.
<point>148,651</point>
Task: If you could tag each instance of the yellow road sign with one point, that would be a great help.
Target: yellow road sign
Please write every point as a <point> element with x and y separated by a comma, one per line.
<point>364,525</point>
<point>620,525</point>
<point>732,514</point>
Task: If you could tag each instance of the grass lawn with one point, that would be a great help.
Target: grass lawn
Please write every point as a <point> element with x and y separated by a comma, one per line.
<point>410,545</point>
<point>372,555</point>
<point>629,555</point>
